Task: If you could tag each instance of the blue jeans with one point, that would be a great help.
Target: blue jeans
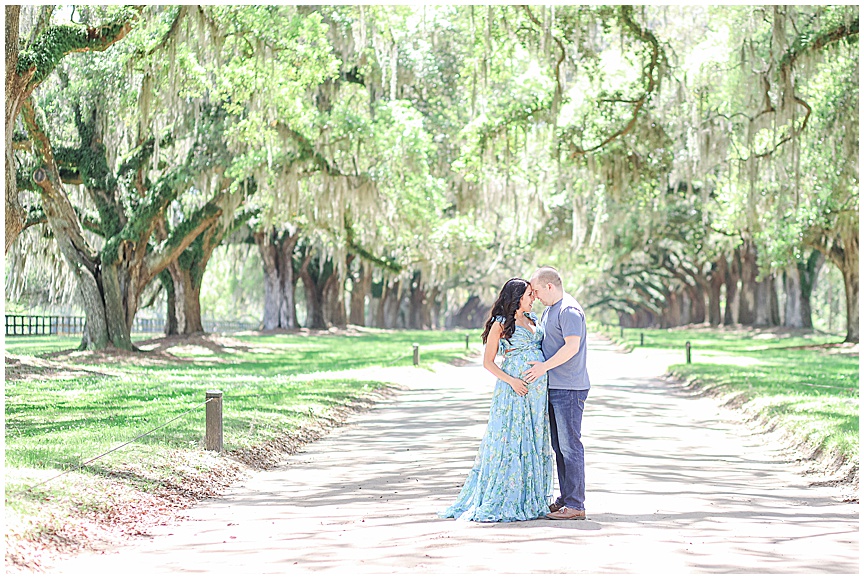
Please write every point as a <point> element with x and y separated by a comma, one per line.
<point>565,422</point>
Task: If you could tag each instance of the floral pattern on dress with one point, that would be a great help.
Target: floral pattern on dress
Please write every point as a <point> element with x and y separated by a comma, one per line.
<point>511,479</point>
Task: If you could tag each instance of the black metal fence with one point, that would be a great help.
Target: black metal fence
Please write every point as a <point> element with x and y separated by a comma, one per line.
<point>216,326</point>
<point>17,325</point>
<point>23,325</point>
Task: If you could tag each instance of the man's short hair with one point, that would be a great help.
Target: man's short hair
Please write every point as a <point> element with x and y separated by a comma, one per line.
<point>548,274</point>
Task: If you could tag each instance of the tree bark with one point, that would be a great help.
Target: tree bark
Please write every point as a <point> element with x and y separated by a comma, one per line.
<point>749,271</point>
<point>793,316</point>
<point>798,283</point>
<point>333,300</point>
<point>844,254</point>
<point>431,307</point>
<point>362,288</point>
<point>715,284</point>
<point>671,316</point>
<point>280,279</point>
<point>171,322</point>
<point>15,214</point>
<point>391,300</point>
<point>767,311</point>
<point>808,273</point>
<point>63,221</point>
<point>416,302</point>
<point>314,286</point>
<point>696,293</point>
<point>733,274</point>
<point>187,300</point>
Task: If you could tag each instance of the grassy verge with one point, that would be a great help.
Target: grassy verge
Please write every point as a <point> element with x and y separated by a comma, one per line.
<point>63,408</point>
<point>806,384</point>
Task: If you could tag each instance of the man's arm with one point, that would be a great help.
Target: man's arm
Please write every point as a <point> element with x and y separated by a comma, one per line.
<point>567,351</point>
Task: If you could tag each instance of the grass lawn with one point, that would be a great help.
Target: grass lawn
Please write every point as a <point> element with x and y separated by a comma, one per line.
<point>804,382</point>
<point>67,407</point>
<point>57,420</point>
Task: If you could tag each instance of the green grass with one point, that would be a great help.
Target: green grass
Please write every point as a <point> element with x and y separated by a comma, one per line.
<point>39,345</point>
<point>57,422</point>
<point>813,392</point>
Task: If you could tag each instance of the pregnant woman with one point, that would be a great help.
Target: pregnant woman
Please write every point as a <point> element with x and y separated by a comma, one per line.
<point>511,479</point>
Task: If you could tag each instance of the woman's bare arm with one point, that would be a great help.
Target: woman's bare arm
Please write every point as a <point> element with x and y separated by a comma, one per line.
<point>492,341</point>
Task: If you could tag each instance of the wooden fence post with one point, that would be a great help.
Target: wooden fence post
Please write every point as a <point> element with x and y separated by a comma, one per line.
<point>687,347</point>
<point>213,432</point>
<point>467,337</point>
<point>416,354</point>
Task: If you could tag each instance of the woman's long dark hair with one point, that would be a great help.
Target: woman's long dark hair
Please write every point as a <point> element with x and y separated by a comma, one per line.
<point>506,305</point>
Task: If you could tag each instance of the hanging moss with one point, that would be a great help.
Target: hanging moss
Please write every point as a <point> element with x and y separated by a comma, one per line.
<point>57,41</point>
<point>814,41</point>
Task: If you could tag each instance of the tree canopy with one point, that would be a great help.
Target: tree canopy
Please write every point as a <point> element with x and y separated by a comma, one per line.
<point>678,164</point>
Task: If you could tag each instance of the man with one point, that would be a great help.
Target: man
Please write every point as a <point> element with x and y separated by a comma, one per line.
<point>564,346</point>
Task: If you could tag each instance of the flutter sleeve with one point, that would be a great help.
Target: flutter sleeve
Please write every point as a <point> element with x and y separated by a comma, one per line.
<point>502,343</point>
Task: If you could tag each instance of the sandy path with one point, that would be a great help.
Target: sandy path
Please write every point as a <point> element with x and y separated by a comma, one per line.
<point>675,484</point>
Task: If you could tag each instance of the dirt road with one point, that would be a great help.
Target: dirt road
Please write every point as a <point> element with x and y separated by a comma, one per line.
<point>675,484</point>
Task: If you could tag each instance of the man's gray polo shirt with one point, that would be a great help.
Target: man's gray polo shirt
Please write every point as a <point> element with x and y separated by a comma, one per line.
<point>566,318</point>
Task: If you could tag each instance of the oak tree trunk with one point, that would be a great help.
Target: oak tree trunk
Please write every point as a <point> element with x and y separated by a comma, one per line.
<point>391,300</point>
<point>362,288</point>
<point>671,316</point>
<point>429,313</point>
<point>15,89</point>
<point>733,275</point>
<point>187,299</point>
<point>808,273</point>
<point>716,279</point>
<point>696,293</point>
<point>280,279</point>
<point>844,254</point>
<point>314,283</point>
<point>767,309</point>
<point>333,300</point>
<point>749,271</point>
<point>798,283</point>
<point>416,303</point>
<point>171,323</point>
<point>793,316</point>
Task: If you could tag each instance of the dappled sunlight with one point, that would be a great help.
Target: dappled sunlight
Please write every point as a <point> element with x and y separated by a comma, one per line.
<point>675,484</point>
<point>710,357</point>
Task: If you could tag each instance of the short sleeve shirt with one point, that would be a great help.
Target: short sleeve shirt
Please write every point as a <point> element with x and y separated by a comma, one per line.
<point>566,318</point>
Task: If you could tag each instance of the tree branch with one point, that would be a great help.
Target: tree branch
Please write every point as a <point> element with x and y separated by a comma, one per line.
<point>805,43</point>
<point>175,26</point>
<point>657,55</point>
<point>55,202</point>
<point>35,216</point>
<point>558,90</point>
<point>42,57</point>
<point>179,239</point>
<point>792,134</point>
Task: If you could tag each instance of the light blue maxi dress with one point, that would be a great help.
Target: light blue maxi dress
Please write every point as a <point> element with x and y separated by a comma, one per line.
<point>511,479</point>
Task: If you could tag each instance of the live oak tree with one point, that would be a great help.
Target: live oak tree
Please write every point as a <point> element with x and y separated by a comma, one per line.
<point>680,164</point>
<point>26,69</point>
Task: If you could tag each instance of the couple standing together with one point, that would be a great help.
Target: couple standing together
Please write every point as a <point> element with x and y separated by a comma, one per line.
<point>539,398</point>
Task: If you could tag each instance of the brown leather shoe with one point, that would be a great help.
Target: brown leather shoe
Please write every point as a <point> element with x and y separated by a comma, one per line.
<point>554,507</point>
<point>566,514</point>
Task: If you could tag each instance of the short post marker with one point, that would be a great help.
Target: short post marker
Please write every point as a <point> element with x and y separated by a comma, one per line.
<point>213,432</point>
